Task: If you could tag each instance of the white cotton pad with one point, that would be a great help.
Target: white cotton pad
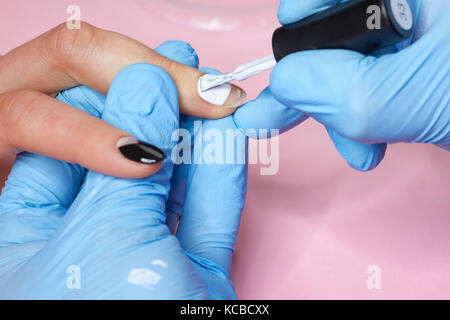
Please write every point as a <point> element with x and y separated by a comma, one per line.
<point>217,95</point>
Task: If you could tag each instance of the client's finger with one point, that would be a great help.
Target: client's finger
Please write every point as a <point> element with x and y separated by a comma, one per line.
<point>35,122</point>
<point>62,58</point>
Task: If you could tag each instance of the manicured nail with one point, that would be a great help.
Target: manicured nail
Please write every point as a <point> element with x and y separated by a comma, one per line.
<point>237,97</point>
<point>139,151</point>
<point>226,95</point>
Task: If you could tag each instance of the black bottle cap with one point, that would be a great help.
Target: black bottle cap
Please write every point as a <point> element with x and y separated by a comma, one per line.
<point>360,25</point>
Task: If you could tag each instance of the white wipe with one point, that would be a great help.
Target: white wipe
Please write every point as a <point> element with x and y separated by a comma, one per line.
<point>217,95</point>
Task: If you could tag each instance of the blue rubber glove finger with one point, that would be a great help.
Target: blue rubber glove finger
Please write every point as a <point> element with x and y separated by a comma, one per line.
<point>402,97</point>
<point>215,195</point>
<point>265,114</point>
<point>179,51</point>
<point>214,198</point>
<point>268,113</point>
<point>33,202</point>
<point>39,189</point>
<point>360,156</point>
<point>37,194</point>
<point>114,234</point>
<point>183,53</point>
<point>291,11</point>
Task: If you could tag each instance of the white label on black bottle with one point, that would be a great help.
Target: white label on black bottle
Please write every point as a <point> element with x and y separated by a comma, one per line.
<point>402,13</point>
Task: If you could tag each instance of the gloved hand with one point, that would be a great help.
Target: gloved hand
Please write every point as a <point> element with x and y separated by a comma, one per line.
<point>397,97</point>
<point>270,111</point>
<point>66,232</point>
<point>209,193</point>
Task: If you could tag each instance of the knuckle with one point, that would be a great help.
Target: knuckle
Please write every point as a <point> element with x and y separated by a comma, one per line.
<point>15,106</point>
<point>67,45</point>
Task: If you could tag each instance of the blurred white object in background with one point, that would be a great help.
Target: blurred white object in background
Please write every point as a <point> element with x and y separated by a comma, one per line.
<point>215,15</point>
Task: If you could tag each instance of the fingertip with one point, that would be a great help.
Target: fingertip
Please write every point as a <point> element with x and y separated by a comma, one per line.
<point>225,96</point>
<point>179,51</point>
<point>281,84</point>
<point>266,114</point>
<point>218,102</point>
<point>375,157</point>
<point>360,156</point>
<point>317,77</point>
<point>369,159</point>
<point>134,82</point>
<point>139,95</point>
<point>113,155</point>
<point>291,11</point>
<point>142,101</point>
<point>287,12</point>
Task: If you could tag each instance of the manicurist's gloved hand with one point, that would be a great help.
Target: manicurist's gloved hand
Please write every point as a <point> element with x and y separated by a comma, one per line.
<point>208,189</point>
<point>31,120</point>
<point>398,97</point>
<point>70,233</point>
<point>270,112</point>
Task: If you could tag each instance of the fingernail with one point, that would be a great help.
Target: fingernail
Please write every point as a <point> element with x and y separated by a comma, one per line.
<point>139,151</point>
<point>237,97</point>
<point>226,95</point>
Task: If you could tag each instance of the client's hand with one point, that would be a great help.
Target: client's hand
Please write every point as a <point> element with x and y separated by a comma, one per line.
<point>31,120</point>
<point>66,232</point>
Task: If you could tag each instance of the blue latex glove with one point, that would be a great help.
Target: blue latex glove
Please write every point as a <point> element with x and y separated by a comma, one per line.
<point>60,223</point>
<point>272,112</point>
<point>208,197</point>
<point>397,97</point>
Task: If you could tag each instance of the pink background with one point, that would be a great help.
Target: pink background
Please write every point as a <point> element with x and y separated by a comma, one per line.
<point>312,230</point>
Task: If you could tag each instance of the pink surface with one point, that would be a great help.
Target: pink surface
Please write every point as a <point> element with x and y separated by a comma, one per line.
<point>312,230</point>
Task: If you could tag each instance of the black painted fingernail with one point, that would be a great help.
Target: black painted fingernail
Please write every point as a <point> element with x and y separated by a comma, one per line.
<point>139,151</point>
